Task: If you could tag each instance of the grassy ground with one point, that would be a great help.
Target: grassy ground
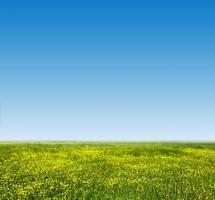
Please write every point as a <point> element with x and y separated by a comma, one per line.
<point>107,171</point>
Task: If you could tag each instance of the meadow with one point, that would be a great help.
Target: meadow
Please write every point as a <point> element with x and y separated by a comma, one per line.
<point>163,171</point>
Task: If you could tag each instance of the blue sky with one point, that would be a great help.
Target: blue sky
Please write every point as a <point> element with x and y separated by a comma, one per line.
<point>107,70</point>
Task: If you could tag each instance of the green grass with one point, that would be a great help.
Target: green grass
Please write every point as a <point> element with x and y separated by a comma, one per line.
<point>107,171</point>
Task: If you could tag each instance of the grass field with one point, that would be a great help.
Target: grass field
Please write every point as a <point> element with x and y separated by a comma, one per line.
<point>107,171</point>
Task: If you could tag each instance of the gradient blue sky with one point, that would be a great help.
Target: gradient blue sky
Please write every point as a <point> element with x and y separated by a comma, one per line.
<point>107,70</point>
